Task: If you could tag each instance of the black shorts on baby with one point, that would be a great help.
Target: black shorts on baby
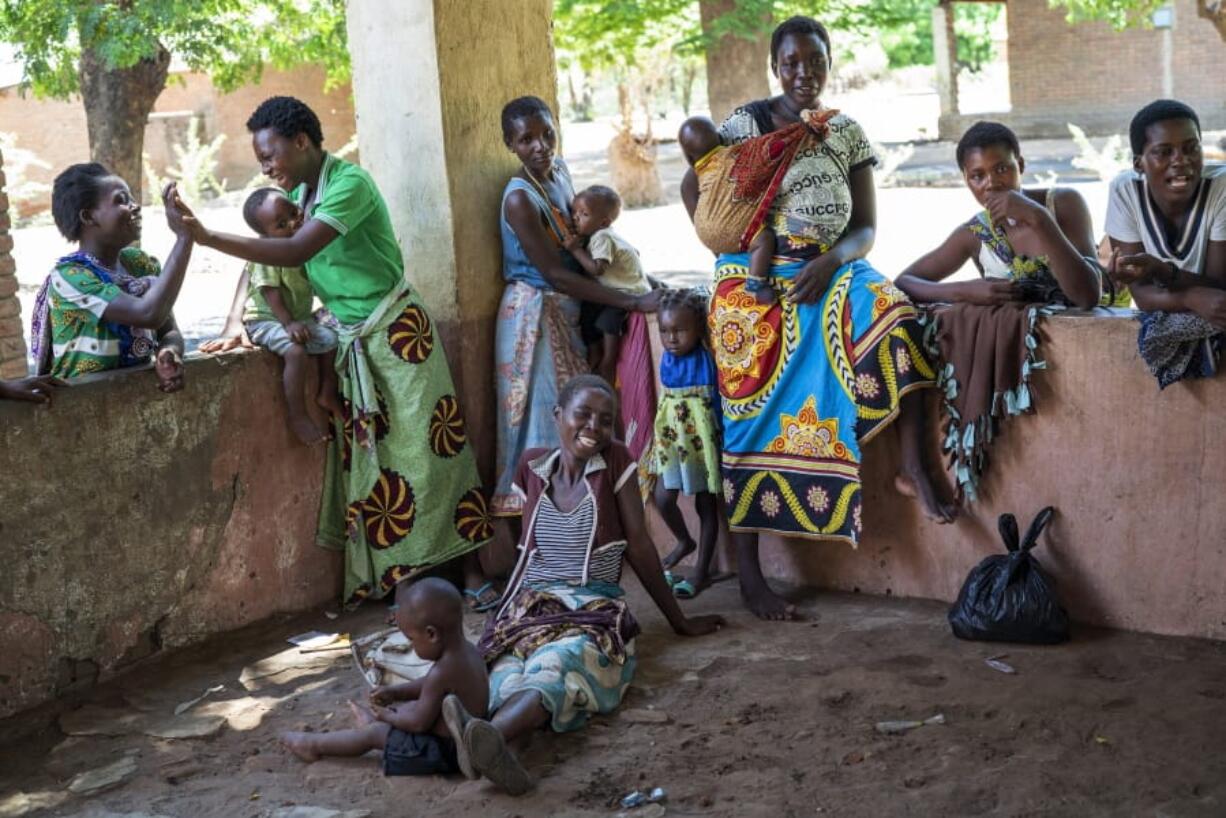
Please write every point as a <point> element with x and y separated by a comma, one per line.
<point>418,754</point>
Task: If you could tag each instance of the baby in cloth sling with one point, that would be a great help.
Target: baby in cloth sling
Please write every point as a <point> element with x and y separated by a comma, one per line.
<point>737,185</point>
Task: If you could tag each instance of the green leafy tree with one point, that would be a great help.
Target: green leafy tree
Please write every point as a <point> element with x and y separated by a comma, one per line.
<point>1126,13</point>
<point>116,54</point>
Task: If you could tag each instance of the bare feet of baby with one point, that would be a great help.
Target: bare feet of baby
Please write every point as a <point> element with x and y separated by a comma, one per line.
<point>301,745</point>
<point>307,432</point>
<point>331,402</point>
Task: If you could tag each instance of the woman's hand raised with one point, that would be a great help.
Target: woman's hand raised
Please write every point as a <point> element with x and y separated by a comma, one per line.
<point>180,218</point>
<point>699,625</point>
<point>1011,208</point>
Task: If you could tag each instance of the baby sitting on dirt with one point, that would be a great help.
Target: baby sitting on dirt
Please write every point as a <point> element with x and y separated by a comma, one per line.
<point>413,736</point>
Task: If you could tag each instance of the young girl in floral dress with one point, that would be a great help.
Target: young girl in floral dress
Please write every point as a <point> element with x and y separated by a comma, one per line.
<point>685,455</point>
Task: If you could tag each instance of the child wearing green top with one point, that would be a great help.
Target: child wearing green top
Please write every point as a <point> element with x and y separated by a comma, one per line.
<point>277,315</point>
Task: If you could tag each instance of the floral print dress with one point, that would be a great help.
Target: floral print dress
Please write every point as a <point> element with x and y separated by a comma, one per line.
<point>685,455</point>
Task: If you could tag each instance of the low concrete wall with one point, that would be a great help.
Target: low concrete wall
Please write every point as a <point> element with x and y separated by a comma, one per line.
<point>1138,478</point>
<point>133,521</point>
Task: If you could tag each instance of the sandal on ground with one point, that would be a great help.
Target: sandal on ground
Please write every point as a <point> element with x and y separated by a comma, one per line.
<point>473,595</point>
<point>489,755</point>
<point>682,587</point>
<point>456,718</point>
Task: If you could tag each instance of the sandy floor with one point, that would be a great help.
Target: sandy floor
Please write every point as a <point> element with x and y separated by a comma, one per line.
<point>770,720</point>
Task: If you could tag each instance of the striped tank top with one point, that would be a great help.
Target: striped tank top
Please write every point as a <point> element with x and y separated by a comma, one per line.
<point>562,543</point>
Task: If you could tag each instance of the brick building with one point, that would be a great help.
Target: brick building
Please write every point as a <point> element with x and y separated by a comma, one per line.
<point>1092,75</point>
<point>55,131</point>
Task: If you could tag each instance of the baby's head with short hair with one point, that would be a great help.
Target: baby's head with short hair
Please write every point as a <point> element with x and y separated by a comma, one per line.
<point>270,213</point>
<point>698,137</point>
<point>595,208</point>
<point>431,613</point>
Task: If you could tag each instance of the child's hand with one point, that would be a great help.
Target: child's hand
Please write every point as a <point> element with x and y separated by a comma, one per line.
<point>381,696</point>
<point>298,332</point>
<point>381,713</point>
<point>573,242</point>
<point>226,343</point>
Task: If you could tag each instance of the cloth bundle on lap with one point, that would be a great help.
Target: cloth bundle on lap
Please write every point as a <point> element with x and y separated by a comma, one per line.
<point>987,355</point>
<point>737,184</point>
<point>1178,345</point>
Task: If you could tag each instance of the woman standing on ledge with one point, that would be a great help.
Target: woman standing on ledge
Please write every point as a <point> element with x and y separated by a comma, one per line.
<point>401,492</point>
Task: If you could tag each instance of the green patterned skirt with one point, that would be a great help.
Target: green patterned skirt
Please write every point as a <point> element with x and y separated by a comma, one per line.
<point>401,492</point>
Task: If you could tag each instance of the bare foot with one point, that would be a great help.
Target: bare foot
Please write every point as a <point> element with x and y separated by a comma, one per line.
<point>300,744</point>
<point>307,432</point>
<point>682,550</point>
<point>361,715</point>
<point>330,401</point>
<point>764,603</point>
<point>919,487</point>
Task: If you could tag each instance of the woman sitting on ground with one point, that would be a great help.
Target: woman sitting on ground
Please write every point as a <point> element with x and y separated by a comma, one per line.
<point>1032,244</point>
<point>562,646</point>
<point>108,304</point>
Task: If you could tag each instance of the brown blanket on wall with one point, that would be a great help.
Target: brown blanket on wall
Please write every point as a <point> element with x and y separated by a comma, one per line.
<point>986,357</point>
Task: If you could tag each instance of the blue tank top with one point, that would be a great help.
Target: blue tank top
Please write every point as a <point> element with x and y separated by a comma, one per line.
<point>515,263</point>
<point>695,369</point>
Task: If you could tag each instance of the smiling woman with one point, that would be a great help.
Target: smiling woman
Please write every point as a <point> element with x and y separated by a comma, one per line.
<point>108,305</point>
<point>562,646</point>
<point>1167,223</point>
<point>401,491</point>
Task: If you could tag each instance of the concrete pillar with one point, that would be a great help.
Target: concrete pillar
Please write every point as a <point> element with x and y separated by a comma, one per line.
<point>12,339</point>
<point>945,48</point>
<point>429,83</point>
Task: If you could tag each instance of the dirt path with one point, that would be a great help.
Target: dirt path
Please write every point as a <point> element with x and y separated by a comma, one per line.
<point>769,720</point>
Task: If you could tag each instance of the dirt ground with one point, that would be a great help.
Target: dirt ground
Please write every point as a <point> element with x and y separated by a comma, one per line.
<point>762,720</point>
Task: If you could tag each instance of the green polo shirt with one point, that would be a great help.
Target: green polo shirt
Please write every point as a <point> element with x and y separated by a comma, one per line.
<point>353,273</point>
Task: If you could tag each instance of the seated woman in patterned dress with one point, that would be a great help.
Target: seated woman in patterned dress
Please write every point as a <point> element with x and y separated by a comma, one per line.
<point>108,304</point>
<point>1032,244</point>
<point>562,645</point>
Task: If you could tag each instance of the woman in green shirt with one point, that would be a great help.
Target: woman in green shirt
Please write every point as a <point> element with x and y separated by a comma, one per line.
<point>401,491</point>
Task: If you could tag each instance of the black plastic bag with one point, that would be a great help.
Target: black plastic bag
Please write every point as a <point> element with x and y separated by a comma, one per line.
<point>1008,597</point>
